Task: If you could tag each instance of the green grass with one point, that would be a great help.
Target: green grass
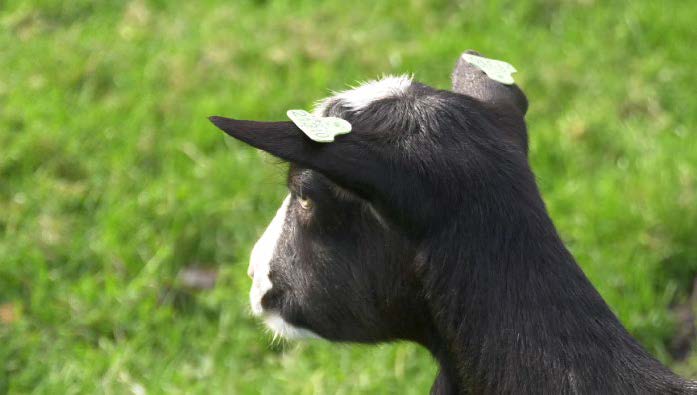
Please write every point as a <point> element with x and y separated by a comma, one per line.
<point>112,180</point>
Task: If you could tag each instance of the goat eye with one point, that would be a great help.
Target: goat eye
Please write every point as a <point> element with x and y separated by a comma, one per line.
<point>305,203</point>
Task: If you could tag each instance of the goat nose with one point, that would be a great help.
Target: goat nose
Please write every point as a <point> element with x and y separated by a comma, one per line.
<point>250,272</point>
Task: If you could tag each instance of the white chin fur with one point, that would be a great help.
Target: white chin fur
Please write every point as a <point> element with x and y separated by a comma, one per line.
<point>281,328</point>
<point>260,266</point>
<point>367,92</point>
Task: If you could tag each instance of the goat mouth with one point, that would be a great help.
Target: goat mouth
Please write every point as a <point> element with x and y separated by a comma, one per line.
<point>267,307</point>
<point>264,300</point>
<point>255,298</point>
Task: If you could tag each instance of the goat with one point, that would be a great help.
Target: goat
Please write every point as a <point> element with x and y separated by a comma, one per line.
<point>425,224</point>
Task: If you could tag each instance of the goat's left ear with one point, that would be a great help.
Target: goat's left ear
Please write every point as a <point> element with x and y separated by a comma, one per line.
<point>348,161</point>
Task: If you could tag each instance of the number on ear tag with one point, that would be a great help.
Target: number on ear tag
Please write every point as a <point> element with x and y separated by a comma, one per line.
<point>497,70</point>
<point>320,129</point>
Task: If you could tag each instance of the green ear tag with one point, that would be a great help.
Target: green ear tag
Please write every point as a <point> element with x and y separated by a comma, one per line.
<point>497,70</point>
<point>320,129</point>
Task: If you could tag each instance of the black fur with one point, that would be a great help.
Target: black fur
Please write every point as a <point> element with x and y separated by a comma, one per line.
<point>427,225</point>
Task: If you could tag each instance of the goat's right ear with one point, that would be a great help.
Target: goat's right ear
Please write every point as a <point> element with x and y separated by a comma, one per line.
<point>347,160</point>
<point>469,80</point>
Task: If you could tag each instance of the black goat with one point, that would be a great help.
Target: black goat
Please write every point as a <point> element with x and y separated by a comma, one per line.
<point>425,224</point>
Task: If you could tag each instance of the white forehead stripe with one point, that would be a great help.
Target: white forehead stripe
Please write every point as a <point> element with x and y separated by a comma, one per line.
<point>262,253</point>
<point>367,92</point>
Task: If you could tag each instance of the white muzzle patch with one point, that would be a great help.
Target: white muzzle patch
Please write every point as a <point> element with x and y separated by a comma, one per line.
<point>259,269</point>
<point>260,261</point>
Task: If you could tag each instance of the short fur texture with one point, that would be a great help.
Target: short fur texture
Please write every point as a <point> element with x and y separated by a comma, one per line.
<point>427,225</point>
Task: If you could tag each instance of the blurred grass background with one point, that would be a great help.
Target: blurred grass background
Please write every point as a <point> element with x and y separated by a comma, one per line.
<point>113,183</point>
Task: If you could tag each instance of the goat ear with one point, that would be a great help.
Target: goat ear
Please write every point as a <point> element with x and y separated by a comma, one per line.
<point>348,161</point>
<point>281,139</point>
<point>471,81</point>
